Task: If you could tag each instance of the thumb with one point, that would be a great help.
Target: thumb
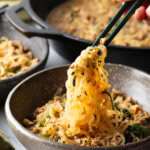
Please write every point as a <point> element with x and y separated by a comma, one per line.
<point>148,12</point>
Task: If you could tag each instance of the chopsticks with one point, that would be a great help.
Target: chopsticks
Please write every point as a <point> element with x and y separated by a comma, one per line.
<point>115,19</point>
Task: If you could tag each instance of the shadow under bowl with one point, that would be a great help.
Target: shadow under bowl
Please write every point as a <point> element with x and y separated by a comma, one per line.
<point>39,88</point>
<point>39,48</point>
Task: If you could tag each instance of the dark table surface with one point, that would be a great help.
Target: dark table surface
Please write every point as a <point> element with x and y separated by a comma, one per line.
<point>54,60</point>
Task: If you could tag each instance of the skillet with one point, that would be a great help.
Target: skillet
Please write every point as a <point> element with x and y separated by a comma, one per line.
<point>67,45</point>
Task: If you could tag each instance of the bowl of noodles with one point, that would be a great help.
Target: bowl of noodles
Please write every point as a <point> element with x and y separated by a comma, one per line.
<point>19,57</point>
<point>85,105</point>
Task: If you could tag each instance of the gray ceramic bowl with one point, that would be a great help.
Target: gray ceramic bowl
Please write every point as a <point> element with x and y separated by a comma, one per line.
<point>37,89</point>
<point>39,48</point>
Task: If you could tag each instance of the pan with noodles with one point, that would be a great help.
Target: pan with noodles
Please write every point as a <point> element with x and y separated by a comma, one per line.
<point>88,18</point>
<point>131,44</point>
<point>87,114</point>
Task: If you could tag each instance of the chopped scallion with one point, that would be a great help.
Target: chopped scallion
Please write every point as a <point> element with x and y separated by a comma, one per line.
<point>105,92</point>
<point>41,124</point>
<point>138,129</point>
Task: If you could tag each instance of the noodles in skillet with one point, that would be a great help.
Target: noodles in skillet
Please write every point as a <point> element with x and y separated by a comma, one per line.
<point>87,19</point>
<point>87,114</point>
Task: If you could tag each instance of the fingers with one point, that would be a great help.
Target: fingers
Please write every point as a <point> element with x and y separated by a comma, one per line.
<point>147,20</point>
<point>143,12</point>
<point>148,12</point>
<point>140,13</point>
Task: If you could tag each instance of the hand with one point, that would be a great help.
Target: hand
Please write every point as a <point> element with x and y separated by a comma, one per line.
<point>143,12</point>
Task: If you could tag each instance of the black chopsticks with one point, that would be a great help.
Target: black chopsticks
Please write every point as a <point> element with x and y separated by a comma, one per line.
<point>115,19</point>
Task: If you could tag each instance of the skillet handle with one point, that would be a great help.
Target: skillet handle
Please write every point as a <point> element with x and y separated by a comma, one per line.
<point>29,30</point>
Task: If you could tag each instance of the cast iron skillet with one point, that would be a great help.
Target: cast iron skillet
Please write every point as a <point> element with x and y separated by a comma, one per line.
<point>67,45</point>
<point>38,46</point>
<point>132,82</point>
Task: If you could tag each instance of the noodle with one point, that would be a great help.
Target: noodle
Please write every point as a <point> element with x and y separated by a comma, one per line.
<point>14,58</point>
<point>87,114</point>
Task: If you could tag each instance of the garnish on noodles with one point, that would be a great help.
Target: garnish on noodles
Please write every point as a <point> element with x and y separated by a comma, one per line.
<point>88,115</point>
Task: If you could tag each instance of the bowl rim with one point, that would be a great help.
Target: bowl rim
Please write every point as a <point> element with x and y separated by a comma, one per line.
<point>30,70</point>
<point>11,119</point>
